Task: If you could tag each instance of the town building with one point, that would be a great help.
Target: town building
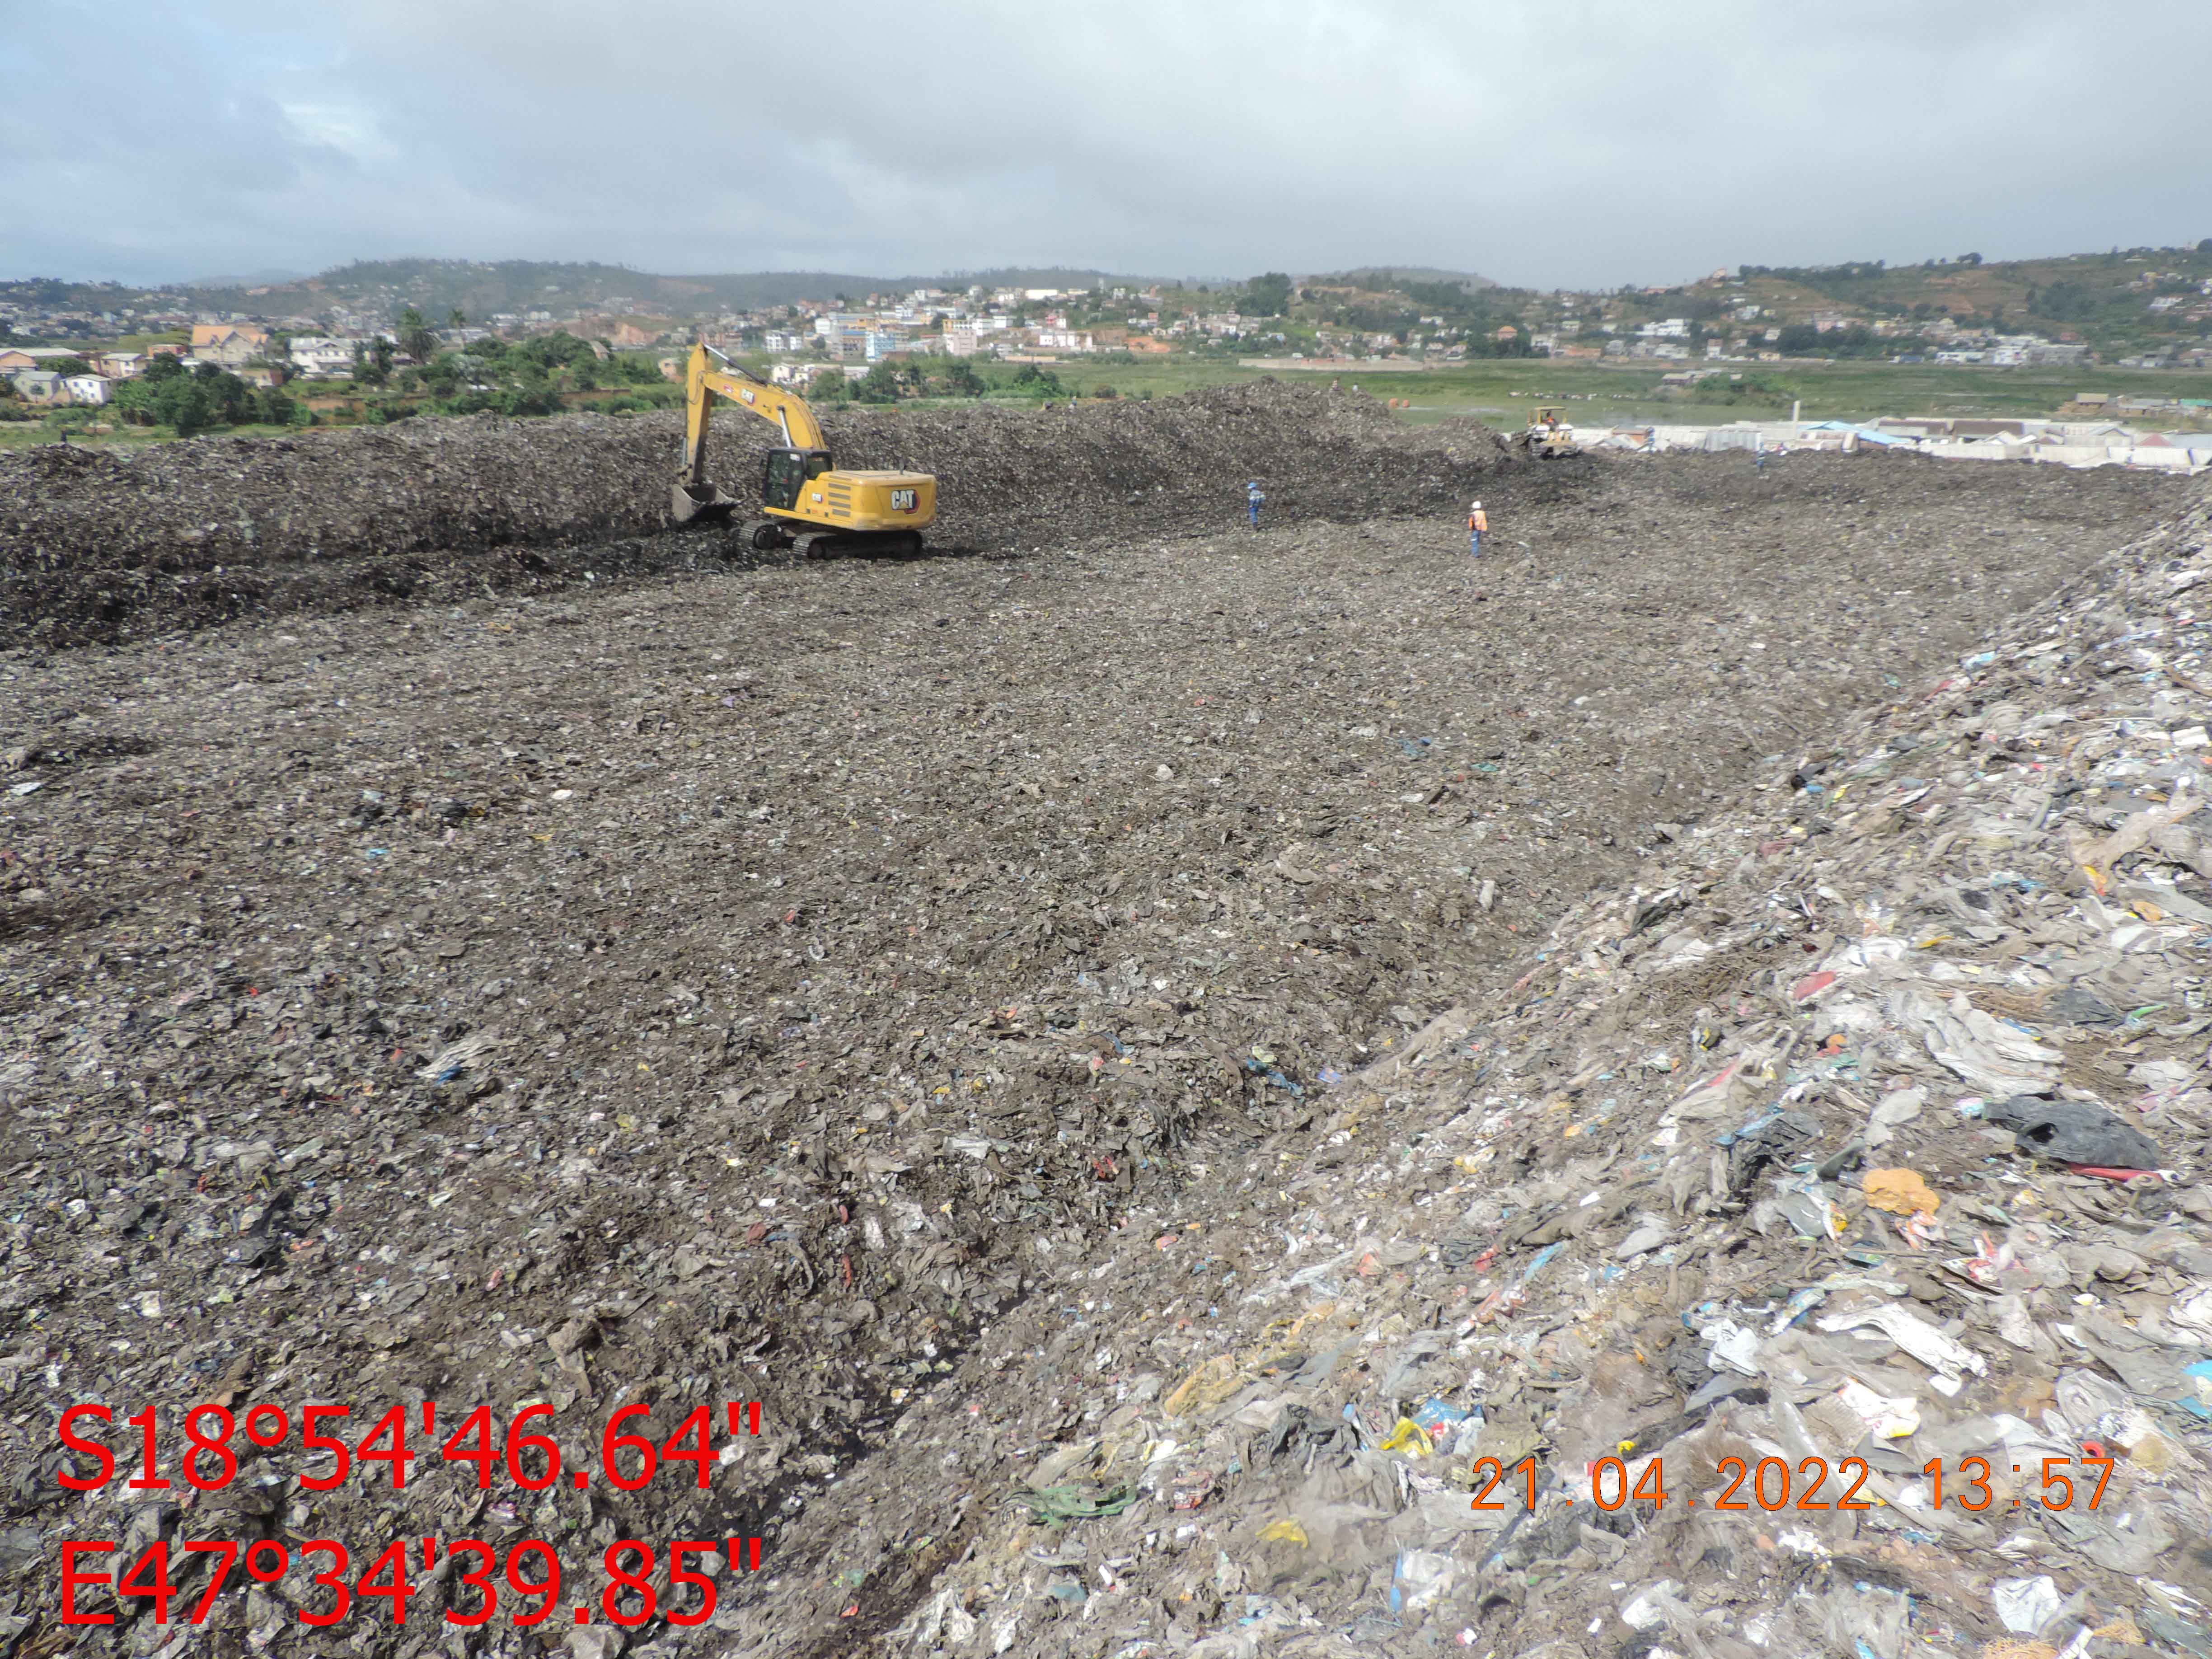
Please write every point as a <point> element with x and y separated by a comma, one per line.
<point>323,354</point>
<point>229,344</point>
<point>14,359</point>
<point>39,386</point>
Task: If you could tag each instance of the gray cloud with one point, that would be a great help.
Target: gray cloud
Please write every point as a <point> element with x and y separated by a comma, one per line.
<point>1595,143</point>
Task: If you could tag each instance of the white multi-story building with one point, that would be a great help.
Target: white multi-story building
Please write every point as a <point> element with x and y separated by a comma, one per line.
<point>323,354</point>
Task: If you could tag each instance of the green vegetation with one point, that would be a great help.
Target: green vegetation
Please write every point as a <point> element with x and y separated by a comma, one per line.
<point>1737,390</point>
<point>1267,295</point>
<point>937,379</point>
<point>543,375</point>
<point>2105,299</point>
<point>372,362</point>
<point>415,339</point>
<point>195,400</point>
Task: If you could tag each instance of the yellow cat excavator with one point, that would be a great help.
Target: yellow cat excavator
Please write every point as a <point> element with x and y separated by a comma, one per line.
<point>810,504</point>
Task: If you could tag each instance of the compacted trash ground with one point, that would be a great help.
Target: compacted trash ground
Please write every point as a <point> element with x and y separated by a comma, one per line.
<point>1190,1073</point>
<point>100,546</point>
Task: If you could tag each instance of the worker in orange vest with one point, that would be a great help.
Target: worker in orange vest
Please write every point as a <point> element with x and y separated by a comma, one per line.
<point>1478,526</point>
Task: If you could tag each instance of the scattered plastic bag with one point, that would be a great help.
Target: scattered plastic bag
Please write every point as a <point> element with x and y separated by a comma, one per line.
<point>1077,1501</point>
<point>1733,1348</point>
<point>1446,1424</point>
<point>1410,1437</point>
<point>1883,1416</point>
<point>2025,1605</point>
<point>1894,1109</point>
<point>1646,1609</point>
<point>1946,1356</point>
<point>1420,1579</point>
<point>2075,1133</point>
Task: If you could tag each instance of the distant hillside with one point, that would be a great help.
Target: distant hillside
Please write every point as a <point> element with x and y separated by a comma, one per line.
<point>2148,301</point>
<point>1385,278</point>
<point>483,289</point>
<point>479,289</point>
<point>248,279</point>
<point>2113,299</point>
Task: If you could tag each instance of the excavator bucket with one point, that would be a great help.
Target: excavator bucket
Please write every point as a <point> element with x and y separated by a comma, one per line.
<point>704,502</point>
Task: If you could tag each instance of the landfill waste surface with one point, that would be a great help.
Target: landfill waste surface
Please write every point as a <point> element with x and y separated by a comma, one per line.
<point>2017,1301</point>
<point>1172,1068</point>
<point>105,544</point>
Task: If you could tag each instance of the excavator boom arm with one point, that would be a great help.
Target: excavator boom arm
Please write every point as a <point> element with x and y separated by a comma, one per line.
<point>706,380</point>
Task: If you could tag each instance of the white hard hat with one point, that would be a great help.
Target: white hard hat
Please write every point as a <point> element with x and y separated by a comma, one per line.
<point>1478,504</point>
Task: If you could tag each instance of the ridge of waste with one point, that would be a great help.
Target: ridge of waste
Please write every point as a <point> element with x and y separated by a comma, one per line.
<point>1869,1122</point>
<point>102,545</point>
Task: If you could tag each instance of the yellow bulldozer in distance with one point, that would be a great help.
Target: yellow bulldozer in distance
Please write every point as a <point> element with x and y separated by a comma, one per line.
<point>810,505</point>
<point>1549,438</point>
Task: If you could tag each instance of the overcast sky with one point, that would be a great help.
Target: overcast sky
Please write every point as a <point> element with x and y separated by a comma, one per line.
<point>1584,143</point>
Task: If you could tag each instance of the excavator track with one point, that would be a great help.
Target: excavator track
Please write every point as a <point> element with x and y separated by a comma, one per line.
<point>830,544</point>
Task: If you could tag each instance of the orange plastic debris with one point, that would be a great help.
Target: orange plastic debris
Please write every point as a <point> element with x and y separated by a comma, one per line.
<point>1901,1192</point>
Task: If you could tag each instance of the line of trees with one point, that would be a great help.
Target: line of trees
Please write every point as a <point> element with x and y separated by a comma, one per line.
<point>2061,302</point>
<point>195,399</point>
<point>924,377</point>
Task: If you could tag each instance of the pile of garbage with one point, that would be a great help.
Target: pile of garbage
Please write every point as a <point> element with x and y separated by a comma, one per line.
<point>103,544</point>
<point>1014,477</point>
<point>931,999</point>
<point>1856,1149</point>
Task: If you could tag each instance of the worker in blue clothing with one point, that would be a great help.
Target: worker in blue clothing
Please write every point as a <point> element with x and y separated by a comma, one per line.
<point>1254,497</point>
<point>1477,524</point>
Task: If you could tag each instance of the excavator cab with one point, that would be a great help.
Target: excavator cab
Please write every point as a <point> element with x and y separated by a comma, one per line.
<point>789,470</point>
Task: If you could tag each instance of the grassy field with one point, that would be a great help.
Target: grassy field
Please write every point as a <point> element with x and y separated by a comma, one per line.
<point>1502,389</point>
<point>24,434</point>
